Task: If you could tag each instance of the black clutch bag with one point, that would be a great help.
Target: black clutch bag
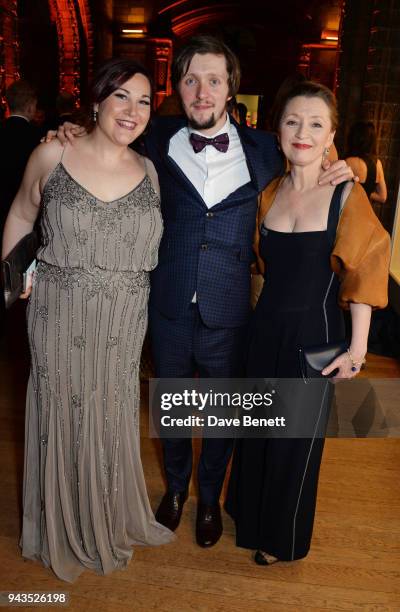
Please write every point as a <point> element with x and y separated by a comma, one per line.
<point>15,265</point>
<point>314,359</point>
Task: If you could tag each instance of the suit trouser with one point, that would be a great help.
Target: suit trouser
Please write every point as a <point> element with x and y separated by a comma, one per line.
<point>182,348</point>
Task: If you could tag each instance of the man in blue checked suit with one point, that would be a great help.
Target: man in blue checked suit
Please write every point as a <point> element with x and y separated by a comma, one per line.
<point>210,171</point>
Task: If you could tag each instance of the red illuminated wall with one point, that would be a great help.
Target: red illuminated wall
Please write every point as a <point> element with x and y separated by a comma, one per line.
<point>74,38</point>
<point>8,47</point>
<point>67,19</point>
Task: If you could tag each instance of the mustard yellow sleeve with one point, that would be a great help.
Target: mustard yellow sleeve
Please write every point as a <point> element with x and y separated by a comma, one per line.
<point>361,253</point>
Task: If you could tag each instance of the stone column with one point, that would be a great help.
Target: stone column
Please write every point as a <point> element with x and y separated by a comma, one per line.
<point>63,13</point>
<point>159,58</point>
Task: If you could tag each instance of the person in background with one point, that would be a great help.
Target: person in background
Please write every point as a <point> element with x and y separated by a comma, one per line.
<point>362,158</point>
<point>242,113</point>
<point>238,110</point>
<point>18,138</point>
<point>316,260</point>
<point>84,497</point>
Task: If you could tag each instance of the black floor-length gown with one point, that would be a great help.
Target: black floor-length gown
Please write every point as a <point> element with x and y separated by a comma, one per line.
<point>273,485</point>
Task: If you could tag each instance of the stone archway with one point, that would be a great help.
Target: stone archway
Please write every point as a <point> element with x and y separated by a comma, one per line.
<point>75,43</point>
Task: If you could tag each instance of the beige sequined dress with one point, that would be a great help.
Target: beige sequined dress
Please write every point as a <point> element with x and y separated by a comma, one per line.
<point>84,500</point>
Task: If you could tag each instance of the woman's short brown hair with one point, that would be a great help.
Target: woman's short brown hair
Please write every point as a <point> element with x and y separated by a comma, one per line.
<point>206,44</point>
<point>310,89</point>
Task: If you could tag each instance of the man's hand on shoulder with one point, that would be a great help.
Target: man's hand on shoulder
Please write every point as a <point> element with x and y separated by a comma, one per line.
<point>66,132</point>
<point>335,172</point>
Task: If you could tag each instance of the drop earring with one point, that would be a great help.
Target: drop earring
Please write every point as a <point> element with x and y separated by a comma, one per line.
<point>326,151</point>
<point>94,115</point>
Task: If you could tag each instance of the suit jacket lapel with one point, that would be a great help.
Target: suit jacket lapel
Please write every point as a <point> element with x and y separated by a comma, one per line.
<point>167,129</point>
<point>252,154</point>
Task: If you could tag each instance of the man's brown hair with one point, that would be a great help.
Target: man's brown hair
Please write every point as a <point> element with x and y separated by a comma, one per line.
<point>206,44</point>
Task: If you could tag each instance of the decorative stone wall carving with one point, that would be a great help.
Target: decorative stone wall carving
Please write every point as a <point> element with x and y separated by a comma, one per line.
<point>159,57</point>
<point>8,48</point>
<point>75,38</point>
<point>66,14</point>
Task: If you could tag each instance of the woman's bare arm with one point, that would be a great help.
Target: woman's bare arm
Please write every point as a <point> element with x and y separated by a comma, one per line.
<point>380,193</point>
<point>358,166</point>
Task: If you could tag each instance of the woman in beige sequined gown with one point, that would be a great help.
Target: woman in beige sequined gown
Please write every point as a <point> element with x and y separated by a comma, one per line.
<point>84,500</point>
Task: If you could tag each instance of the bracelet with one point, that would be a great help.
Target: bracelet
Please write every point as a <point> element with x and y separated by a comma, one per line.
<point>355,365</point>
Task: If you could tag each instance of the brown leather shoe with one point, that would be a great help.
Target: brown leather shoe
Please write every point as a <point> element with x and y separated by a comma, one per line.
<point>208,525</point>
<point>170,509</point>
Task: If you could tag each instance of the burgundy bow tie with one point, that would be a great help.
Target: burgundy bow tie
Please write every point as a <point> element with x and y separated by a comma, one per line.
<point>220,142</point>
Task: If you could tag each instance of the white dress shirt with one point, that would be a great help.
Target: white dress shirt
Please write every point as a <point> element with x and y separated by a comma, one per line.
<point>213,174</point>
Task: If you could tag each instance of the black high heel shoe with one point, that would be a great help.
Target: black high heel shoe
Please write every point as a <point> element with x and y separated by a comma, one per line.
<point>261,558</point>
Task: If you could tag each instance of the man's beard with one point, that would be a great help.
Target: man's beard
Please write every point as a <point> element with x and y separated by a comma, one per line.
<point>205,125</point>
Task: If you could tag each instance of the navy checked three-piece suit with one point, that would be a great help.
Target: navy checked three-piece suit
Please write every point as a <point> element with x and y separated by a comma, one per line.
<point>207,251</point>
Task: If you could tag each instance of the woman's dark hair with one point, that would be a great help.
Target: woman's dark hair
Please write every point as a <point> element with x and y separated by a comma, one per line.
<point>109,77</point>
<point>112,74</point>
<point>361,141</point>
<point>206,44</point>
<point>308,89</point>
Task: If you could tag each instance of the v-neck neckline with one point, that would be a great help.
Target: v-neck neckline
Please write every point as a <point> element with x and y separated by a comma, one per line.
<point>106,203</point>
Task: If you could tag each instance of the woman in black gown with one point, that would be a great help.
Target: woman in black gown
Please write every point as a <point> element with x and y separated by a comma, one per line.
<point>310,265</point>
